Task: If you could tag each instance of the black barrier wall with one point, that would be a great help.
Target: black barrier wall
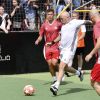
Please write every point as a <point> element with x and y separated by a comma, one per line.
<point>18,53</point>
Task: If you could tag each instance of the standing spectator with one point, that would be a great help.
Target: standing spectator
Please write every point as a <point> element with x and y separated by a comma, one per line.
<point>76,3</point>
<point>4,20</point>
<point>18,16</point>
<point>31,8</point>
<point>60,6</point>
<point>95,73</point>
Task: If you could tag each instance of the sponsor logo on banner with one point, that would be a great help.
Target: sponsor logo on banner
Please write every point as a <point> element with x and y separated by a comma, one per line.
<point>4,57</point>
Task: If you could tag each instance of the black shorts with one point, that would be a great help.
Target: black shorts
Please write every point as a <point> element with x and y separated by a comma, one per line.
<point>80,51</point>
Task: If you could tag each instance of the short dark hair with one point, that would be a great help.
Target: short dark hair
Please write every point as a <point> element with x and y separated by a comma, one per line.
<point>50,10</point>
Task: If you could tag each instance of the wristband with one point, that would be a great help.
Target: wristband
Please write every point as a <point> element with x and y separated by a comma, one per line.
<point>53,42</point>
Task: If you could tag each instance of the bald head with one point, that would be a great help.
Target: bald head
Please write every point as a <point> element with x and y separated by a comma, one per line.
<point>94,15</point>
<point>65,17</point>
<point>65,14</point>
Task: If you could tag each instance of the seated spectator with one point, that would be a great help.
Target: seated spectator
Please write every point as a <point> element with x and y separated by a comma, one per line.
<point>30,8</point>
<point>18,16</point>
<point>4,20</point>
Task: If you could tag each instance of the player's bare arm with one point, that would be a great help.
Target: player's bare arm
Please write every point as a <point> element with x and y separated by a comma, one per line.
<point>88,21</point>
<point>38,40</point>
<point>53,42</point>
<point>97,46</point>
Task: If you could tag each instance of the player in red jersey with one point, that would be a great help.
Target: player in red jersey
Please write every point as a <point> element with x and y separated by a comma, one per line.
<point>50,31</point>
<point>95,73</point>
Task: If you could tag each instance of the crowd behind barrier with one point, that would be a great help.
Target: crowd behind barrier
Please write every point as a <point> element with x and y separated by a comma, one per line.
<point>21,22</point>
<point>28,15</point>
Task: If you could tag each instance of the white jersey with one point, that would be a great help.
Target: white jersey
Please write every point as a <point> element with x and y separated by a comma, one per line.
<point>68,43</point>
<point>83,28</point>
<point>69,33</point>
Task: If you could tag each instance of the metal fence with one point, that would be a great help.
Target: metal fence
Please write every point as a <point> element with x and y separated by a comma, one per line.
<point>28,15</point>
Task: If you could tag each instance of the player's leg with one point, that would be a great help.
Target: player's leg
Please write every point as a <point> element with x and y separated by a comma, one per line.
<point>80,62</point>
<point>95,78</point>
<point>76,72</point>
<point>79,53</point>
<point>52,70</point>
<point>48,58</point>
<point>54,87</point>
<point>54,60</point>
<point>96,86</point>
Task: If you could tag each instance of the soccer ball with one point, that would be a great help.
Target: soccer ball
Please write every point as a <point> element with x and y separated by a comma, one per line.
<point>29,90</point>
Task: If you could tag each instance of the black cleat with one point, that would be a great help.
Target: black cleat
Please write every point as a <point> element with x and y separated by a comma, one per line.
<point>53,82</point>
<point>81,76</point>
<point>67,74</point>
<point>54,90</point>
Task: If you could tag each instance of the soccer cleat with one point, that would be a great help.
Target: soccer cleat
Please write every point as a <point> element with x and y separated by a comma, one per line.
<point>67,74</point>
<point>53,82</point>
<point>54,90</point>
<point>81,76</point>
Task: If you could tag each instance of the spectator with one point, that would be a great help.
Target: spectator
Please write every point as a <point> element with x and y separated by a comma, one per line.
<point>30,8</point>
<point>60,7</point>
<point>4,20</point>
<point>76,3</point>
<point>18,16</point>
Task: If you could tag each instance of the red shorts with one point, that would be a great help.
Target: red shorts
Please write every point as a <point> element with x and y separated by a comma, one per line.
<point>51,52</point>
<point>95,73</point>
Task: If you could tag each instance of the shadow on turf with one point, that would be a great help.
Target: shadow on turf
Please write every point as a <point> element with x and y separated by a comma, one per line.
<point>73,90</point>
<point>62,83</point>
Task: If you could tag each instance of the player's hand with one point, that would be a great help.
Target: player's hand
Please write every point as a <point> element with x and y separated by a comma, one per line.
<point>36,42</point>
<point>88,57</point>
<point>48,44</point>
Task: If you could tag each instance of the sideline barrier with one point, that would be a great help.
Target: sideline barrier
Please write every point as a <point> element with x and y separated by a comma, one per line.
<point>18,53</point>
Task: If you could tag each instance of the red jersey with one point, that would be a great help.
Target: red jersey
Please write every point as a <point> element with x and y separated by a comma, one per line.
<point>50,30</point>
<point>95,73</point>
<point>96,31</point>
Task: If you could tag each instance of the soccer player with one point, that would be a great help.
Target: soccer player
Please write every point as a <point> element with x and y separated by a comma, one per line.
<point>81,44</point>
<point>5,22</point>
<point>95,73</point>
<point>50,31</point>
<point>68,45</point>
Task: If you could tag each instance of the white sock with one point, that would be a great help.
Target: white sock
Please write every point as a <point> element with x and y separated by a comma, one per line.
<point>79,68</point>
<point>54,78</point>
<point>63,78</point>
<point>57,84</point>
<point>77,73</point>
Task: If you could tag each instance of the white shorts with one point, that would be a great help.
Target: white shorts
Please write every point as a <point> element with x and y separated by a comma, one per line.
<point>66,56</point>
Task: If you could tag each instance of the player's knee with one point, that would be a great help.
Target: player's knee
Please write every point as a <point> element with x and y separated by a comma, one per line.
<point>54,63</point>
<point>92,84</point>
<point>50,63</point>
